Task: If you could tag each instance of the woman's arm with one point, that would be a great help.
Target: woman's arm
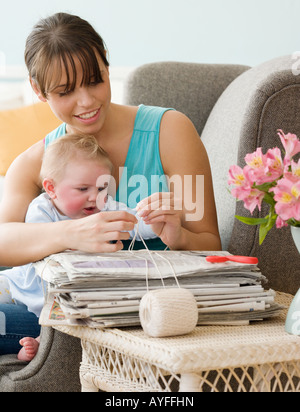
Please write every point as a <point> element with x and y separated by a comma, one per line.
<point>186,163</point>
<point>21,187</point>
<point>22,243</point>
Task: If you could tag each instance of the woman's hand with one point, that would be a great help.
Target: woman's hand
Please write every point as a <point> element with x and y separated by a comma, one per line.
<point>163,212</point>
<point>95,234</point>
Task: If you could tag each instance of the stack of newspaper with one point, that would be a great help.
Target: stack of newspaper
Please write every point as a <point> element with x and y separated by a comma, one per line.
<point>105,290</point>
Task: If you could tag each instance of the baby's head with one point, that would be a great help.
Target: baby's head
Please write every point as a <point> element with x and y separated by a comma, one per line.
<point>75,173</point>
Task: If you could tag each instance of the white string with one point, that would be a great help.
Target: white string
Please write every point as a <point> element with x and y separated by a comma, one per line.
<point>152,259</point>
<point>171,266</point>
<point>165,312</point>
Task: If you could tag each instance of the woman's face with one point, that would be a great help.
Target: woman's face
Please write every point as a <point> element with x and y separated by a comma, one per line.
<point>83,109</point>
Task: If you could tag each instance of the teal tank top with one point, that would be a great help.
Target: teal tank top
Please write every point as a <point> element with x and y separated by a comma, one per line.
<point>143,173</point>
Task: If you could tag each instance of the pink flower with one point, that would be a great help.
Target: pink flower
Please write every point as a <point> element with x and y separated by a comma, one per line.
<point>291,145</point>
<point>296,169</point>
<point>237,177</point>
<point>267,178</point>
<point>253,199</point>
<point>280,223</point>
<point>243,188</point>
<point>287,196</point>
<point>274,165</point>
<point>264,168</point>
<point>255,169</point>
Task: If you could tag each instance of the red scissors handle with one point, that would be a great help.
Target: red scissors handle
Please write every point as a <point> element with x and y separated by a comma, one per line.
<point>240,259</point>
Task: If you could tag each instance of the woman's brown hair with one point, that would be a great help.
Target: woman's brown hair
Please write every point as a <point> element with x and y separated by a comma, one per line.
<point>54,42</point>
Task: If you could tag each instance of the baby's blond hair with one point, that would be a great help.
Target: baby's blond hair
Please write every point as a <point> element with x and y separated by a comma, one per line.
<point>65,149</point>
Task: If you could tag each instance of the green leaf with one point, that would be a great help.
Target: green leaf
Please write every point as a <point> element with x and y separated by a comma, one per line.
<point>263,231</point>
<point>265,223</point>
<point>265,187</point>
<point>266,227</point>
<point>293,222</point>
<point>252,220</point>
<point>269,198</point>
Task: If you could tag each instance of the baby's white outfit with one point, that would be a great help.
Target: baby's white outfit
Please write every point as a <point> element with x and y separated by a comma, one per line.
<point>21,284</point>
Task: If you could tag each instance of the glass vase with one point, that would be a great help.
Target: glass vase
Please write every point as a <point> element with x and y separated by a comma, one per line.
<point>296,236</point>
<point>292,324</point>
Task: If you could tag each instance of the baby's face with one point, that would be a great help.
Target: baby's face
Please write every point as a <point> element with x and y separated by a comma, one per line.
<point>79,193</point>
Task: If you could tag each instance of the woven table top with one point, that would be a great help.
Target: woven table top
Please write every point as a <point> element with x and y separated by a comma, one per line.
<point>206,348</point>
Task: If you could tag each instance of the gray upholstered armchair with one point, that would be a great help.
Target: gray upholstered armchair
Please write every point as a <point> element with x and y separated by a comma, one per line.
<point>235,110</point>
<point>232,121</point>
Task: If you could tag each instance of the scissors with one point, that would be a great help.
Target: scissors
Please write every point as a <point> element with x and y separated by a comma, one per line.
<point>239,259</point>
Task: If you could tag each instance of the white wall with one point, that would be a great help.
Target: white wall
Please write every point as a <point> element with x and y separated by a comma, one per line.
<point>142,31</point>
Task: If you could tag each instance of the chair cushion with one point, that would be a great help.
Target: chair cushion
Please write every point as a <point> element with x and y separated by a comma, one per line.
<point>191,88</point>
<point>21,128</point>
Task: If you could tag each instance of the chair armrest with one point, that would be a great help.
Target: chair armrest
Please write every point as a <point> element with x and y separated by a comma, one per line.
<point>54,369</point>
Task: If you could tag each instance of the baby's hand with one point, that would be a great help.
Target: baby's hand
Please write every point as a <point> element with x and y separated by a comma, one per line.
<point>102,232</point>
<point>163,213</point>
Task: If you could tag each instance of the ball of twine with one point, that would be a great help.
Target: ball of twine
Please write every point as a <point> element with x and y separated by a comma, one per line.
<point>168,312</point>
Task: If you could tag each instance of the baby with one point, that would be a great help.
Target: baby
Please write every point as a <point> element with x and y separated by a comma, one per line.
<point>71,176</point>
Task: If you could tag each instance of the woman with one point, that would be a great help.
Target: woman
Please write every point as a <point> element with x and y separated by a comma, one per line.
<point>68,69</point>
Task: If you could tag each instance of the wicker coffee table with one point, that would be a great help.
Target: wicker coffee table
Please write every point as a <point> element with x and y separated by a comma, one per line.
<point>261,357</point>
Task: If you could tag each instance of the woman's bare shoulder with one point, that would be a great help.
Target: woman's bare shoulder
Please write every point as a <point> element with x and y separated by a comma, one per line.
<point>180,144</point>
